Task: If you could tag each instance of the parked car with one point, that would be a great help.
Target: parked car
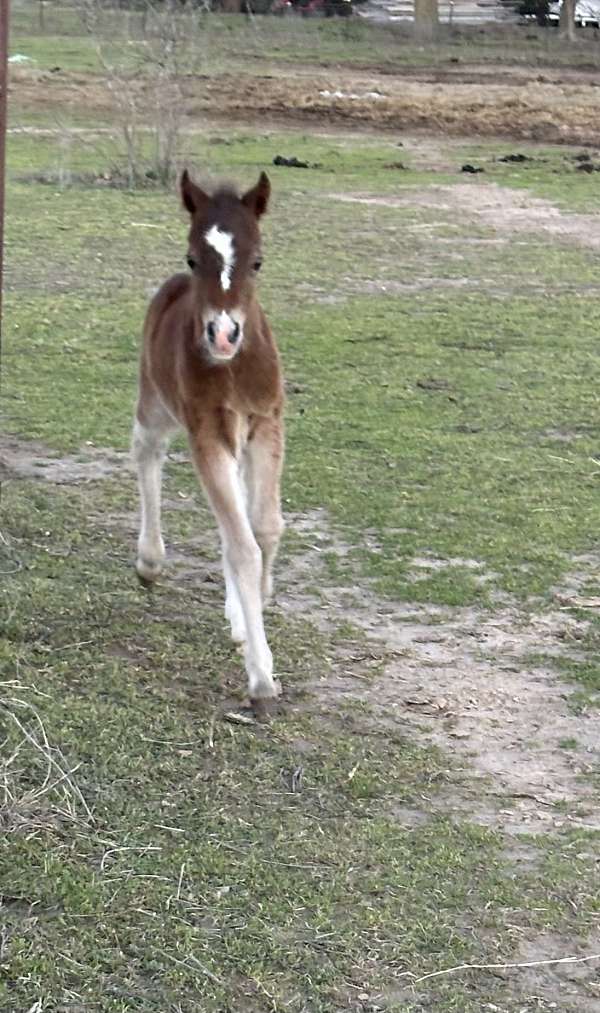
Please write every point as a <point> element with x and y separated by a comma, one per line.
<point>587,12</point>
<point>313,8</point>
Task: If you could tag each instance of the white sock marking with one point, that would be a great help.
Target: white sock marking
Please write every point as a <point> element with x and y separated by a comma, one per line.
<point>222,242</point>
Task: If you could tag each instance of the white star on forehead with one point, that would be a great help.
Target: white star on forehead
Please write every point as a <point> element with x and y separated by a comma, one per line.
<point>222,243</point>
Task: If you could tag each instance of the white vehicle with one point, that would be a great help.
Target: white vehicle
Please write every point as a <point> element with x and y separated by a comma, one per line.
<point>587,12</point>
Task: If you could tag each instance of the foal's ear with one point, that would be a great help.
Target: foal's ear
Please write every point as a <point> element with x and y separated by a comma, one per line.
<point>192,196</point>
<point>257,199</point>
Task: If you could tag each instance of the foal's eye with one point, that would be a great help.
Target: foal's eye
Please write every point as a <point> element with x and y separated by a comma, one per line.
<point>257,265</point>
<point>191,263</point>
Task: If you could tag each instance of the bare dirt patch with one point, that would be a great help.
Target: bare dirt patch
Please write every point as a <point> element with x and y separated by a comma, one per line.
<point>575,984</point>
<point>460,679</point>
<point>506,210</point>
<point>33,460</point>
<point>554,107</point>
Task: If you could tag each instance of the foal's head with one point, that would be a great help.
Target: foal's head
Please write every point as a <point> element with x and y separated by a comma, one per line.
<point>224,257</point>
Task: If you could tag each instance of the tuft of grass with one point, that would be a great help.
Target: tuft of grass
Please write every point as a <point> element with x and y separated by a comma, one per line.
<point>570,743</point>
<point>587,672</point>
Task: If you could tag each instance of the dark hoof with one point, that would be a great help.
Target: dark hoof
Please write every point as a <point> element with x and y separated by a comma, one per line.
<point>145,582</point>
<point>148,573</point>
<point>265,708</point>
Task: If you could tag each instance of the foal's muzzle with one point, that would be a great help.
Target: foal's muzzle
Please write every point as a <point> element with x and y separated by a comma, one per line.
<point>223,336</point>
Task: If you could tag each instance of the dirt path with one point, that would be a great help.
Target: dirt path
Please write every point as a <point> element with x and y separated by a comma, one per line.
<point>507,210</point>
<point>458,678</point>
<point>33,460</point>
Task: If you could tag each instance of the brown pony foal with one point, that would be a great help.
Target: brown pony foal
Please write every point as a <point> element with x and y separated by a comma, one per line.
<point>210,365</point>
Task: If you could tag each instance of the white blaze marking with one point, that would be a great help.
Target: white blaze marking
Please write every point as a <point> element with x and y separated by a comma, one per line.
<point>224,321</point>
<point>222,242</point>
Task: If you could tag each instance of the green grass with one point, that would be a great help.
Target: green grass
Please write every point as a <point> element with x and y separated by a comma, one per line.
<point>550,173</point>
<point>202,878</point>
<point>442,402</point>
<point>587,672</point>
<point>465,396</point>
<point>296,41</point>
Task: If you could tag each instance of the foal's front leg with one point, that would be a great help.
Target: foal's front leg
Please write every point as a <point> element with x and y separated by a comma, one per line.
<point>149,447</point>
<point>218,471</point>
<point>233,606</point>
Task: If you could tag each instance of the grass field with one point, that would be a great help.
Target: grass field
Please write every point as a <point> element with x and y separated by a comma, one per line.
<point>427,796</point>
<point>293,40</point>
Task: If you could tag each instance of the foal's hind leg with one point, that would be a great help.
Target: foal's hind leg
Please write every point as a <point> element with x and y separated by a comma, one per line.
<point>263,465</point>
<point>149,446</point>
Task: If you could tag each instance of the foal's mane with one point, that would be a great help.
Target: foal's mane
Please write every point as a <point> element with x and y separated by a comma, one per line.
<point>224,190</point>
<point>221,192</point>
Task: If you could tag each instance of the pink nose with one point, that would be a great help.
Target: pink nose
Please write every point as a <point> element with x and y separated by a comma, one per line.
<point>224,341</point>
<point>224,338</point>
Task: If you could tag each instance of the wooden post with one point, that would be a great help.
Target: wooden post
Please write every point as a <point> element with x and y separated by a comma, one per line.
<point>566,25</point>
<point>427,19</point>
<point>4,19</point>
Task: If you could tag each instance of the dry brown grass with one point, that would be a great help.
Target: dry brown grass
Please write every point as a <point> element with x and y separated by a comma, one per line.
<point>37,787</point>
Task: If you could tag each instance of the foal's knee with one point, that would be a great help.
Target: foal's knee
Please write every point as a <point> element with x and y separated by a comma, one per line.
<point>146,444</point>
<point>244,557</point>
<point>268,533</point>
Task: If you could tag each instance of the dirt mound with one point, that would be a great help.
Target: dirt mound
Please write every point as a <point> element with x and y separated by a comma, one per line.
<point>557,107</point>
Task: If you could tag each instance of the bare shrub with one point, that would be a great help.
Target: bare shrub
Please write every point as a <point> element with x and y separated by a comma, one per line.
<point>146,55</point>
